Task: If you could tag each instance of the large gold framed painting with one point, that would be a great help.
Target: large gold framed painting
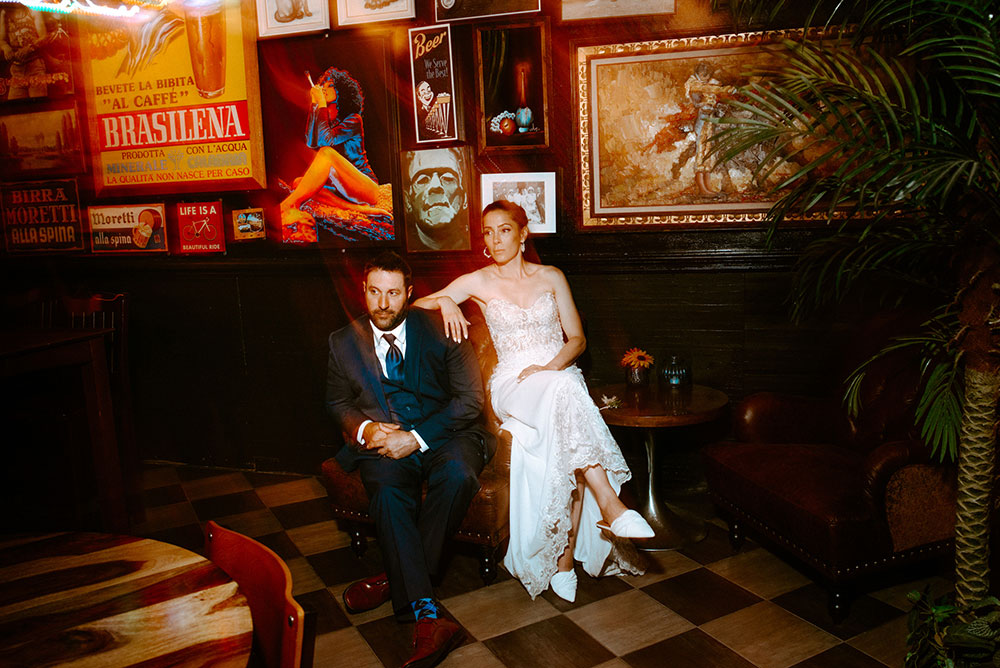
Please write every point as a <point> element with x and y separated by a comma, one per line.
<point>647,113</point>
<point>173,100</point>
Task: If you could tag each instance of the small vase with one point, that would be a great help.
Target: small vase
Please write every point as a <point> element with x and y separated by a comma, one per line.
<point>637,377</point>
<point>677,373</point>
<point>523,117</point>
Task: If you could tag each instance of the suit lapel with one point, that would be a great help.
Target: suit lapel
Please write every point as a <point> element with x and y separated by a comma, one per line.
<point>371,370</point>
<point>415,332</point>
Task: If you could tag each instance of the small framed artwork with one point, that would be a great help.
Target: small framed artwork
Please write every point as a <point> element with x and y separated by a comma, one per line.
<point>459,10</point>
<point>248,224</point>
<point>40,64</point>
<point>535,192</point>
<point>41,143</point>
<point>278,18</point>
<point>512,78</point>
<point>352,12</point>
<point>576,10</point>
<point>433,79</point>
<point>646,122</point>
<point>437,185</point>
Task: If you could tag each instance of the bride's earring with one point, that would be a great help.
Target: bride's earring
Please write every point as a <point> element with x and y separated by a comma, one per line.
<point>486,253</point>
<point>522,246</point>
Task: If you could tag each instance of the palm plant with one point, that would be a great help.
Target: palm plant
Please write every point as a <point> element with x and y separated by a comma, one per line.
<point>889,118</point>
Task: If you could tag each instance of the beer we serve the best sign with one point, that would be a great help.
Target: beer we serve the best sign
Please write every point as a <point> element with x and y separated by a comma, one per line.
<point>172,98</point>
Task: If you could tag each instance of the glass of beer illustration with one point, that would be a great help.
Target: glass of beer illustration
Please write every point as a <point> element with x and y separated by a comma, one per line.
<point>206,32</point>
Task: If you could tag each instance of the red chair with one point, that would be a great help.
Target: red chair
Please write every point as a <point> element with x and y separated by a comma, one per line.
<point>283,634</point>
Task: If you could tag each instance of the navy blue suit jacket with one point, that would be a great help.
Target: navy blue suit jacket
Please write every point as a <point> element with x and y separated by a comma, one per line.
<point>444,376</point>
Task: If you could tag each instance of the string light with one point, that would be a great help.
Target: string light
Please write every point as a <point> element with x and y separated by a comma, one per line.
<point>88,7</point>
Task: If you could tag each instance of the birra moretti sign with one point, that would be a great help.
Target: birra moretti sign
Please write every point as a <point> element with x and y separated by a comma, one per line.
<point>41,216</point>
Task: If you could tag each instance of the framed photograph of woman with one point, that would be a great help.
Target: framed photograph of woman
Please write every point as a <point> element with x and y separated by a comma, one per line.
<point>535,192</point>
<point>512,78</point>
<point>278,18</point>
<point>353,12</point>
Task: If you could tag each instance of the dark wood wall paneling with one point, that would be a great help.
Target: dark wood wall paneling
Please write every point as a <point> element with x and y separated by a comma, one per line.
<point>228,353</point>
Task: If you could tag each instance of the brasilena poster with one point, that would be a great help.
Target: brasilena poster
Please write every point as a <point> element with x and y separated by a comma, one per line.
<point>199,228</point>
<point>41,216</point>
<point>173,99</point>
<point>128,228</point>
<point>433,83</point>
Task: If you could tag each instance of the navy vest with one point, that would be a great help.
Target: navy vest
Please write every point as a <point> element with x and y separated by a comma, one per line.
<point>403,405</point>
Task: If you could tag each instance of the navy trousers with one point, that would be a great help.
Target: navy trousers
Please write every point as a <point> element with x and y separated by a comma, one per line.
<point>411,533</point>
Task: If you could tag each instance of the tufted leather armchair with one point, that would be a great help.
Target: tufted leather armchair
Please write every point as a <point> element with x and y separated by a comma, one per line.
<point>850,499</point>
<point>486,524</point>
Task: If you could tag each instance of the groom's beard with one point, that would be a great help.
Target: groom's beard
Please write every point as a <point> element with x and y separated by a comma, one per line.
<point>387,319</point>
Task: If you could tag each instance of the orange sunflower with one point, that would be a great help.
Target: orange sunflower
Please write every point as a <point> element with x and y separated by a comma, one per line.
<point>637,358</point>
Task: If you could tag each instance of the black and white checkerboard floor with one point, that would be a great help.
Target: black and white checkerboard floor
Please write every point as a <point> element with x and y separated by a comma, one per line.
<point>704,606</point>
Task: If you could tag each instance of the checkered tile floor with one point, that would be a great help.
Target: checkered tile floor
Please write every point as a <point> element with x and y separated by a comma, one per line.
<point>699,607</point>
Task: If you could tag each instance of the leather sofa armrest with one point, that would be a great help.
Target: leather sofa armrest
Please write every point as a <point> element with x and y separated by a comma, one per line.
<point>501,458</point>
<point>771,417</point>
<point>882,463</point>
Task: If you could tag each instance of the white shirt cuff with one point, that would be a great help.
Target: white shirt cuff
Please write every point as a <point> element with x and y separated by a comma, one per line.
<point>423,446</point>
<point>360,436</point>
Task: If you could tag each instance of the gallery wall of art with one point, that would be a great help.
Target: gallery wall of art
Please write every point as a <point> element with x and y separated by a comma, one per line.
<point>231,166</point>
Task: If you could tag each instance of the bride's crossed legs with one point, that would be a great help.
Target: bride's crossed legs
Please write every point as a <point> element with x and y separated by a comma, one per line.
<point>607,500</point>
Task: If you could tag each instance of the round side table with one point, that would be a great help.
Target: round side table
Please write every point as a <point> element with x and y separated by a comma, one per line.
<point>655,408</point>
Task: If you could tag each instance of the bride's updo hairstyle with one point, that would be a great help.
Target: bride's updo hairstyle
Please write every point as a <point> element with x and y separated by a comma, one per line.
<point>514,211</point>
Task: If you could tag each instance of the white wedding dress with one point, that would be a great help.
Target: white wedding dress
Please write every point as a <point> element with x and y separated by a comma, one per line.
<point>556,430</point>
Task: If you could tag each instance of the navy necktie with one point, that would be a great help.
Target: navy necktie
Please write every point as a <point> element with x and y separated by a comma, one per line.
<point>393,359</point>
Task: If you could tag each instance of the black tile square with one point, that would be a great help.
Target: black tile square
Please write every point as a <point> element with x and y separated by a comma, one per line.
<point>259,479</point>
<point>299,514</point>
<point>841,656</point>
<point>701,596</point>
<point>459,572</point>
<point>162,496</point>
<point>392,641</point>
<point>281,544</point>
<point>864,614</point>
<point>188,473</point>
<point>340,566</point>
<point>329,615</point>
<point>714,546</point>
<point>552,642</point>
<point>694,649</point>
<point>225,505</point>
<point>190,537</point>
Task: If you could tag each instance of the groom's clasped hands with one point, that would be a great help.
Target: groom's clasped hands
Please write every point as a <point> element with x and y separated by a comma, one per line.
<point>388,440</point>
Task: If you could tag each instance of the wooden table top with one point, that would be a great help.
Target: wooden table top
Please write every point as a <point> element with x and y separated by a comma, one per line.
<point>90,599</point>
<point>658,406</point>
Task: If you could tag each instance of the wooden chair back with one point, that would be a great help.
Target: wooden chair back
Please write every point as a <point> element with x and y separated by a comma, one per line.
<point>279,623</point>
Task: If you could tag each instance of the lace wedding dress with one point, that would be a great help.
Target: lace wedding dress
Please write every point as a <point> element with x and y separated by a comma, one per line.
<point>556,430</point>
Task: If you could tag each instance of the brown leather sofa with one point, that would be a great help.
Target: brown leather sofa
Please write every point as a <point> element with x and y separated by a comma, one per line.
<point>848,498</point>
<point>486,524</point>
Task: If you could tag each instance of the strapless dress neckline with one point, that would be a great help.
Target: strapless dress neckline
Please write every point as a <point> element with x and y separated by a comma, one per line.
<point>504,300</point>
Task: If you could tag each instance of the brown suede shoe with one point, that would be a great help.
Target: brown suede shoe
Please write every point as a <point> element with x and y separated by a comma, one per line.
<point>367,594</point>
<point>432,640</point>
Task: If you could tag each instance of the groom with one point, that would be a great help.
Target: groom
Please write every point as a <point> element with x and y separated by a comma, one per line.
<point>411,399</point>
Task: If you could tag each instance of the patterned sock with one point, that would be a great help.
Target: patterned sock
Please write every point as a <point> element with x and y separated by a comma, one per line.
<point>424,608</point>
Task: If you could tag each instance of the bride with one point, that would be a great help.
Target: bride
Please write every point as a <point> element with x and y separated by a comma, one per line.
<point>565,468</point>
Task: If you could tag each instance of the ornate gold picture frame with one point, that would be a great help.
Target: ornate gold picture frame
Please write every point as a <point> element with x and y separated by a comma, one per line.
<point>646,116</point>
